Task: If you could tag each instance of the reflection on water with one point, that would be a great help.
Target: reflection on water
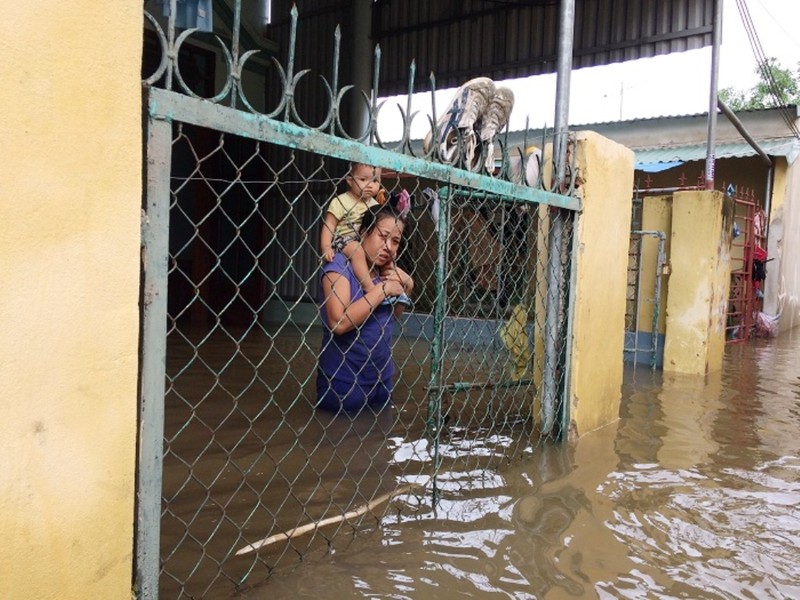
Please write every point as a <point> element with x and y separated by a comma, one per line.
<point>694,493</point>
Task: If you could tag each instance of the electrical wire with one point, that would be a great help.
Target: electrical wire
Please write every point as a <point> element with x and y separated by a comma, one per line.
<point>765,68</point>
<point>789,35</point>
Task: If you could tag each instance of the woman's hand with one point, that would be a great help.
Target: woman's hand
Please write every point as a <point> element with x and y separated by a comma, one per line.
<point>392,287</point>
<point>397,280</point>
<point>394,273</point>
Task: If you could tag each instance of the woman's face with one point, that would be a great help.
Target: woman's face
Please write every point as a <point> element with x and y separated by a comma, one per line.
<point>381,243</point>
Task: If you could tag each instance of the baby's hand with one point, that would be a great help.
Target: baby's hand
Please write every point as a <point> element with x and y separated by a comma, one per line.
<point>328,255</point>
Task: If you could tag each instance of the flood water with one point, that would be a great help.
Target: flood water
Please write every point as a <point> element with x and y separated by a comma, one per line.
<point>693,493</point>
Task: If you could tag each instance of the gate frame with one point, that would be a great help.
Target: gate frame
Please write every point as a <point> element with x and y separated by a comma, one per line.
<point>152,351</point>
<point>165,107</point>
<point>741,308</point>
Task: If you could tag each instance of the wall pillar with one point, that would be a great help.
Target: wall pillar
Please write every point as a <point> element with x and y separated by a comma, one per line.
<point>656,216</point>
<point>782,287</point>
<point>602,235</point>
<point>699,283</point>
<point>70,249</point>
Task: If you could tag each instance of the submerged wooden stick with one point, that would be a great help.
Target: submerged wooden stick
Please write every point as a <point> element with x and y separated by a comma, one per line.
<point>298,531</point>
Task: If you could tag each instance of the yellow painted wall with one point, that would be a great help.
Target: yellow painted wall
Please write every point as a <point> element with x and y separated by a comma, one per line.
<point>69,250</point>
<point>782,287</point>
<point>780,177</point>
<point>603,233</point>
<point>699,282</point>
<point>656,216</point>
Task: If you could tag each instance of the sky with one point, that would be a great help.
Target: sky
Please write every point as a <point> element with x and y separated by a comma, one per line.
<point>624,91</point>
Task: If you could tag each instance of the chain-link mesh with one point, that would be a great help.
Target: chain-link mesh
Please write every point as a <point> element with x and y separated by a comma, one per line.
<point>254,477</point>
<point>247,455</point>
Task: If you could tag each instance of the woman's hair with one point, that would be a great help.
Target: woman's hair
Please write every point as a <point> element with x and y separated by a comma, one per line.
<point>375,214</point>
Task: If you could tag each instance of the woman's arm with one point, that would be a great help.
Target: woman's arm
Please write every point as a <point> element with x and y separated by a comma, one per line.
<point>344,315</point>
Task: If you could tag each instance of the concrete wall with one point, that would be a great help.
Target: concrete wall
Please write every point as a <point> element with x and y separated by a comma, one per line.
<point>656,216</point>
<point>602,232</point>
<point>69,260</point>
<point>699,282</point>
<point>782,287</point>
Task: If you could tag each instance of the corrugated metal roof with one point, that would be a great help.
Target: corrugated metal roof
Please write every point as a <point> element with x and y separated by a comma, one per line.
<point>787,147</point>
<point>502,39</point>
<point>460,39</point>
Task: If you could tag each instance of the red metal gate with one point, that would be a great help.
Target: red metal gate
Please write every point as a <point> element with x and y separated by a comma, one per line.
<point>742,301</point>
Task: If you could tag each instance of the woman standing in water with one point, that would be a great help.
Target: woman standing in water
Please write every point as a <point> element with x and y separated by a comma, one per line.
<point>355,367</point>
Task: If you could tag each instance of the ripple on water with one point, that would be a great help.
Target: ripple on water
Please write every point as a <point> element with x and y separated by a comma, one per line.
<point>694,493</point>
<point>735,537</point>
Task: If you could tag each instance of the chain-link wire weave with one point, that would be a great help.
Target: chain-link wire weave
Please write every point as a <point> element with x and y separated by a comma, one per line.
<point>247,454</point>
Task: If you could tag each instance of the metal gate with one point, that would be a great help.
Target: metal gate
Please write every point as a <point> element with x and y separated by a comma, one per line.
<point>644,344</point>
<point>742,301</point>
<point>238,474</point>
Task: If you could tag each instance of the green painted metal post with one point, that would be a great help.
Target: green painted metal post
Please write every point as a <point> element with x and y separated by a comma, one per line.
<point>551,328</point>
<point>153,349</point>
<point>436,389</point>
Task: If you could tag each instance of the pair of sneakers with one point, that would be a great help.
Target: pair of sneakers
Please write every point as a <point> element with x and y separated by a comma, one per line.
<point>477,113</point>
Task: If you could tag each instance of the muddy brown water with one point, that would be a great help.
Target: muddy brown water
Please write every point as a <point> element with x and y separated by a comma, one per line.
<point>693,493</point>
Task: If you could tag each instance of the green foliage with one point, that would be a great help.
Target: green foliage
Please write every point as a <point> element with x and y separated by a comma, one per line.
<point>787,84</point>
